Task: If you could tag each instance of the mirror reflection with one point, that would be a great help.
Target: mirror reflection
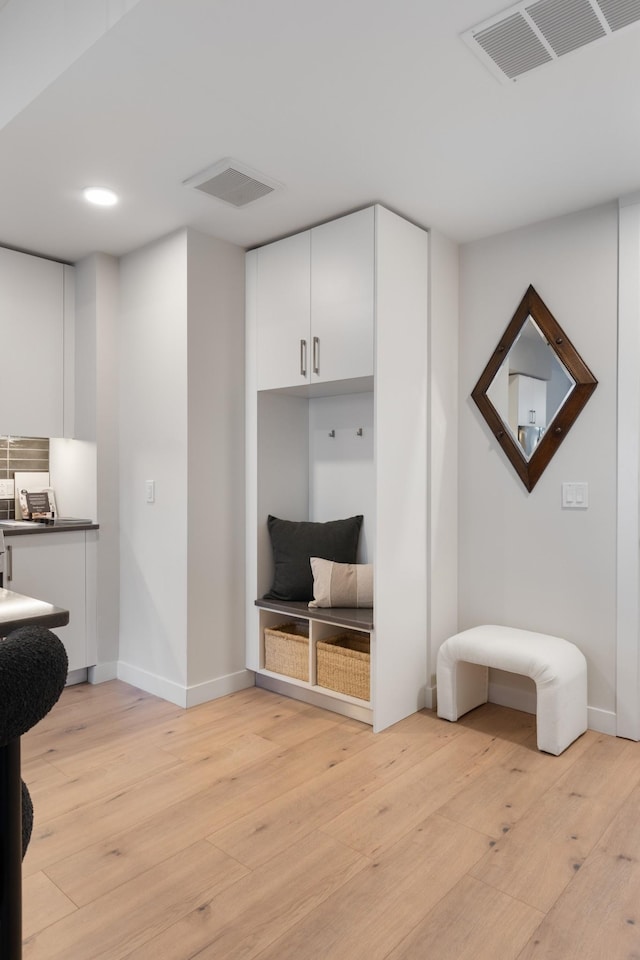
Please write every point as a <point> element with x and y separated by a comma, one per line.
<point>530,387</point>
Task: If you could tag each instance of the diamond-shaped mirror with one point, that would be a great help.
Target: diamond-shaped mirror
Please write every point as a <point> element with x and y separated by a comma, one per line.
<point>533,388</point>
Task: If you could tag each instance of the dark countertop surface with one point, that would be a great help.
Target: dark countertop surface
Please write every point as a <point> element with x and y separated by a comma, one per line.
<point>17,610</point>
<point>12,528</point>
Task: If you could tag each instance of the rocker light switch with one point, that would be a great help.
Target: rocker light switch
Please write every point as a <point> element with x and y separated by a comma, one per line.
<point>150,491</point>
<point>575,496</point>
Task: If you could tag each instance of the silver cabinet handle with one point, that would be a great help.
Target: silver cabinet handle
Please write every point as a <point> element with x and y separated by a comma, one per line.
<point>316,354</point>
<point>9,556</point>
<point>303,358</point>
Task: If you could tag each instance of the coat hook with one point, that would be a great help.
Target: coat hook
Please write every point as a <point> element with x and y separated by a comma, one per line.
<point>359,432</point>
<point>332,433</point>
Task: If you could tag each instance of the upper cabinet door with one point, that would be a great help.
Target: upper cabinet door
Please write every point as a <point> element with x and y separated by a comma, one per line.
<point>342,297</point>
<point>32,338</point>
<point>283,313</point>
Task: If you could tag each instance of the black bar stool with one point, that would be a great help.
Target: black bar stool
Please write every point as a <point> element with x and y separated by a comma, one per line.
<point>33,672</point>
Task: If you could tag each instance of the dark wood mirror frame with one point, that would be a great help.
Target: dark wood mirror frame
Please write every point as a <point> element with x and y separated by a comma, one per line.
<point>532,469</point>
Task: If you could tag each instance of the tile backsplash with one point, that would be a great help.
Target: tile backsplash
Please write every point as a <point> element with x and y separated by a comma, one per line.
<point>21,453</point>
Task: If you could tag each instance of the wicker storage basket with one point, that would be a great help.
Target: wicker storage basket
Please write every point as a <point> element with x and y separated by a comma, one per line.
<point>342,664</point>
<point>286,650</point>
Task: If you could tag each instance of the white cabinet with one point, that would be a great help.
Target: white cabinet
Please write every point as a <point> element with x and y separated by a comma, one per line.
<point>342,277</point>
<point>314,304</point>
<point>322,454</point>
<point>58,568</point>
<point>527,401</point>
<point>32,322</point>
<point>283,278</point>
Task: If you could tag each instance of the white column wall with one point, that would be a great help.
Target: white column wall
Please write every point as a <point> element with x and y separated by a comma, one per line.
<point>153,446</point>
<point>216,491</point>
<point>628,661</point>
<point>524,561</point>
<point>442,469</point>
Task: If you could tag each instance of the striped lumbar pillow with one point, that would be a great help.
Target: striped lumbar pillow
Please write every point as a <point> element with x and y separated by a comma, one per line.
<point>341,584</point>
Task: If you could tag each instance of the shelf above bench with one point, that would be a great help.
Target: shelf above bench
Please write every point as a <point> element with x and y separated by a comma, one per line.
<point>355,618</point>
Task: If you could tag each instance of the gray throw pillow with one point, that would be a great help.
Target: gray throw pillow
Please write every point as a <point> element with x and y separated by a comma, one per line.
<point>295,542</point>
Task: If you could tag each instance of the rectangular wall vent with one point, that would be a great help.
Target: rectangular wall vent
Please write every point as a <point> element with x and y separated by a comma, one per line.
<point>535,32</point>
<point>232,182</point>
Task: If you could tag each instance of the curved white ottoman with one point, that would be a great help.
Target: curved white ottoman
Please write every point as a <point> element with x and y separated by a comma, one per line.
<point>558,668</point>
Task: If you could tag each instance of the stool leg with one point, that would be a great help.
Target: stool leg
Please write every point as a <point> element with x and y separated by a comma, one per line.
<point>10,852</point>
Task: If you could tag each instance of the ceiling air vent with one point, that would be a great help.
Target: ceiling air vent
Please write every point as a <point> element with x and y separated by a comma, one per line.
<point>532,34</point>
<point>232,182</point>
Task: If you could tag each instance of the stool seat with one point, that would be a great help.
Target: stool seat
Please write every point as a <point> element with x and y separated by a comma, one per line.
<point>557,667</point>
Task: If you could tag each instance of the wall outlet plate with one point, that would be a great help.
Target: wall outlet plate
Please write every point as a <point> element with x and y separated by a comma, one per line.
<point>7,489</point>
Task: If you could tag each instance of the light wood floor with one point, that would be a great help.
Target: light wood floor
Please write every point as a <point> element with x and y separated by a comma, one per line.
<point>259,827</point>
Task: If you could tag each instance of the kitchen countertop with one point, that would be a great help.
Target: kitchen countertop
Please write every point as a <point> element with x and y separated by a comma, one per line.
<point>12,528</point>
<point>17,610</point>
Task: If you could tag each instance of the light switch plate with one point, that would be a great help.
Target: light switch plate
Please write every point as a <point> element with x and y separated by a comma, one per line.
<point>575,495</point>
<point>7,489</point>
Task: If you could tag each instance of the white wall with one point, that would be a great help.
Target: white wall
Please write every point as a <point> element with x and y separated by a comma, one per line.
<point>182,559</point>
<point>342,480</point>
<point>86,469</point>
<point>153,446</point>
<point>524,561</point>
<point>442,468</point>
<point>216,513</point>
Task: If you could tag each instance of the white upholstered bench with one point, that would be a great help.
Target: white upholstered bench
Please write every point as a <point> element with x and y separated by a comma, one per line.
<point>558,668</point>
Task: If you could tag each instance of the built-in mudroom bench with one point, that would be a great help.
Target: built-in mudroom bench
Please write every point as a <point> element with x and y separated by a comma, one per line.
<point>344,418</point>
<point>331,668</point>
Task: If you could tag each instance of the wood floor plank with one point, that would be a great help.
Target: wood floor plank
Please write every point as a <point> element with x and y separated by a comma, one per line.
<point>122,770</point>
<point>43,903</point>
<point>496,721</point>
<point>353,845</point>
<point>204,797</point>
<point>65,731</point>
<point>279,823</point>
<point>602,902</point>
<point>99,867</point>
<point>367,917</point>
<point>395,808</point>
<point>541,855</point>
<point>242,920</point>
<point>473,922</point>
<point>496,800</point>
<point>137,911</point>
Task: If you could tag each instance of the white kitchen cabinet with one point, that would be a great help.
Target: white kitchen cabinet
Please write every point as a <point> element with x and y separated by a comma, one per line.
<point>58,568</point>
<point>322,454</point>
<point>527,401</point>
<point>314,304</point>
<point>32,322</point>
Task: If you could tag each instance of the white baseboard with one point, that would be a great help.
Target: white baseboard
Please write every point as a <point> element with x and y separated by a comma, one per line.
<point>220,687</point>
<point>185,696</point>
<point>430,698</point>
<point>602,721</point>
<point>513,697</point>
<point>102,672</point>
<point>76,676</point>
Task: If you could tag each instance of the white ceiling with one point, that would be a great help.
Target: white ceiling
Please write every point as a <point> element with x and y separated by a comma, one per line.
<point>344,102</point>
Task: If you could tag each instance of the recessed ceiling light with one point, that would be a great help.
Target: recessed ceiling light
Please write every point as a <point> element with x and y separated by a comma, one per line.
<point>101,196</point>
